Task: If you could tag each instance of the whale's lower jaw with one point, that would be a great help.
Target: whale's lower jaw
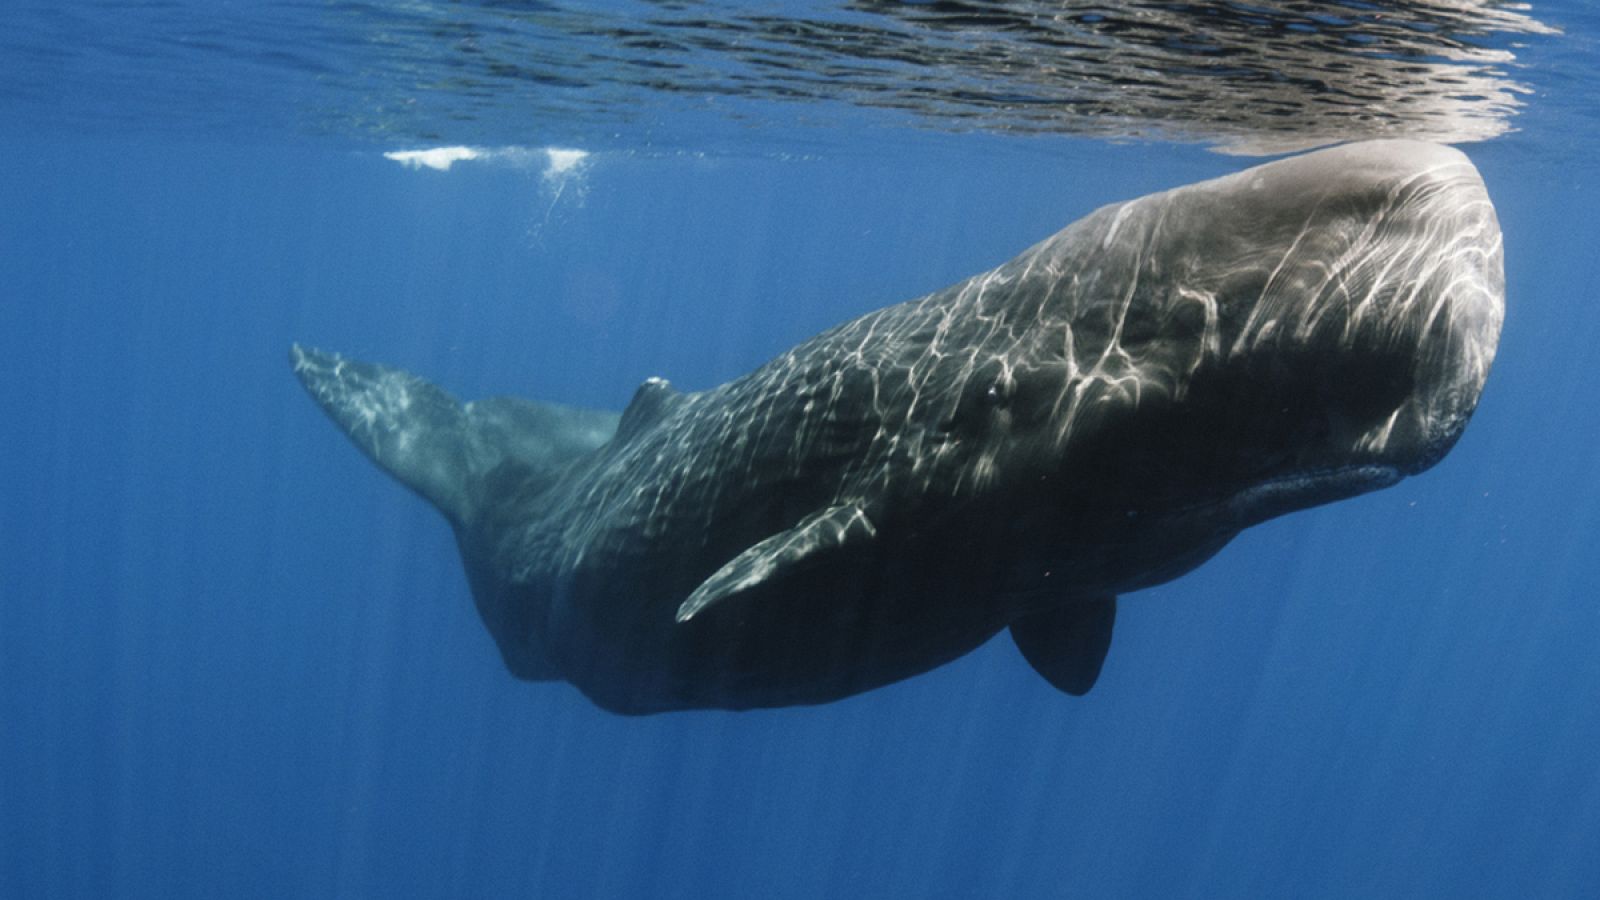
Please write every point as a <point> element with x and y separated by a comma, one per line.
<point>1280,496</point>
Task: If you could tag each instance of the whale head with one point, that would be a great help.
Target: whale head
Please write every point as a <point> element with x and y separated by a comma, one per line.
<point>1194,362</point>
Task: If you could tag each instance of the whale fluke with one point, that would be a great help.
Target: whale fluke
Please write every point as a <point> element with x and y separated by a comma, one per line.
<point>438,446</point>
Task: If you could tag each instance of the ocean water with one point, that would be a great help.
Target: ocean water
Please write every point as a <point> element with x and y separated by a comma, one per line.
<point>237,660</point>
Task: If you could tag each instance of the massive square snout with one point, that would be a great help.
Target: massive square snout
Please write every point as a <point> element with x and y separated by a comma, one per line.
<point>1393,282</point>
<point>1302,331</point>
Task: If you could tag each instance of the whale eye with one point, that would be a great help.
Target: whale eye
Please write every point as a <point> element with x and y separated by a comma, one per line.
<point>1002,390</point>
<point>997,395</point>
<point>989,399</point>
<point>977,402</point>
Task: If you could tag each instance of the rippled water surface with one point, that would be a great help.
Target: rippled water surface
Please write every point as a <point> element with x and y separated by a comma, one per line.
<point>1250,77</point>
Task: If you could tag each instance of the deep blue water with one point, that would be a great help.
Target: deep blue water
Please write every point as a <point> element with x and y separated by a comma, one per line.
<point>237,660</point>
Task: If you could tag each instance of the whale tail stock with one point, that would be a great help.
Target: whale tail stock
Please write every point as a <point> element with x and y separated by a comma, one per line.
<point>432,442</point>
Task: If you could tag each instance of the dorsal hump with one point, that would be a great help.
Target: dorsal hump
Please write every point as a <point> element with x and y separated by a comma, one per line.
<point>654,399</point>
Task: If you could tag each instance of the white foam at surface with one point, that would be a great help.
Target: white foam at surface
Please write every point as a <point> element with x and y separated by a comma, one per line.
<point>557,164</point>
<point>563,161</point>
<point>437,158</point>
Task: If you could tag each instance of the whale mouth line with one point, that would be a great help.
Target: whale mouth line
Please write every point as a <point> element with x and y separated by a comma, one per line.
<point>1281,494</point>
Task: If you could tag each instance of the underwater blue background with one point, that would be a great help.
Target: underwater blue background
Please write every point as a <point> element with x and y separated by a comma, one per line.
<point>237,660</point>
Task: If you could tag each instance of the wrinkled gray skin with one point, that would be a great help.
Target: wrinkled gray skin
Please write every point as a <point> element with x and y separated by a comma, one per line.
<point>1101,414</point>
